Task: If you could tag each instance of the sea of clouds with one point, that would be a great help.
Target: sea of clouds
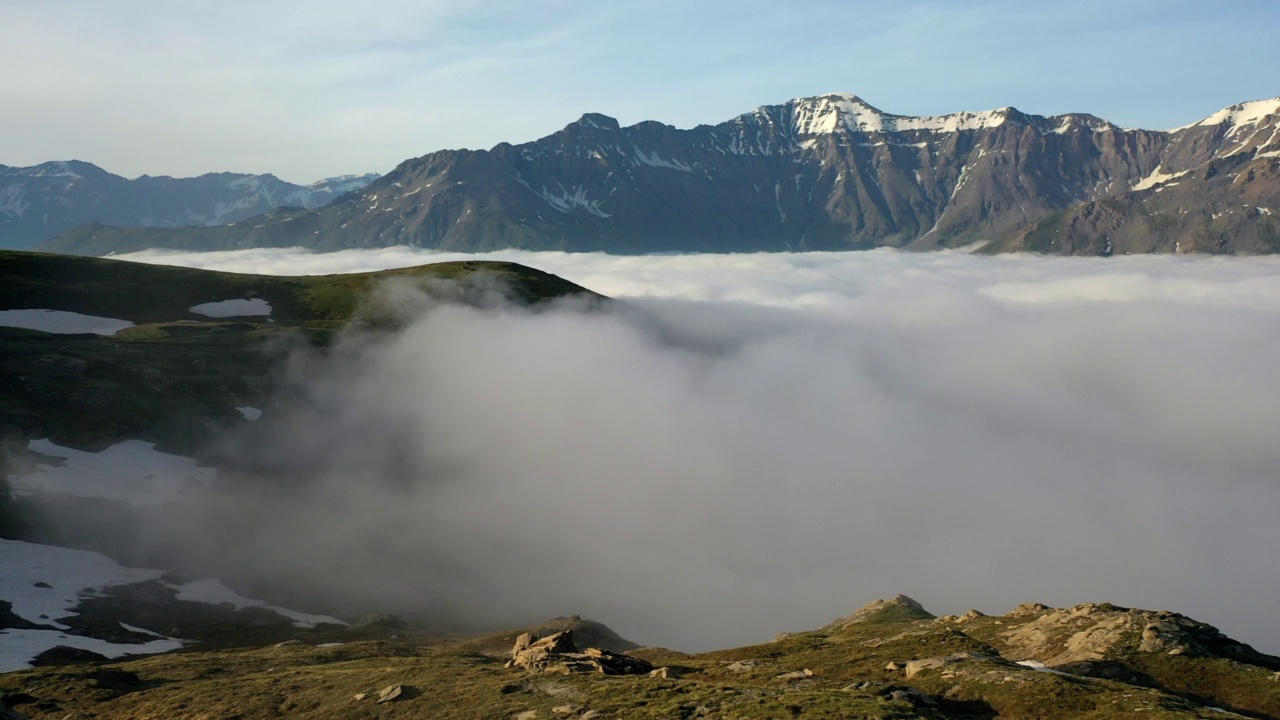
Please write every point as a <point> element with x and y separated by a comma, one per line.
<point>758,443</point>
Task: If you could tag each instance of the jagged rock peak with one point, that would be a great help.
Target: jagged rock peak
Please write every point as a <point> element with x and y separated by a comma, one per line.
<point>598,121</point>
<point>899,608</point>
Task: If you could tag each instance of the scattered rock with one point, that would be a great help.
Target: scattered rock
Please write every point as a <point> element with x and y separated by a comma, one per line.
<point>396,693</point>
<point>668,673</point>
<point>741,666</point>
<point>564,709</point>
<point>913,696</point>
<point>915,667</point>
<point>863,686</point>
<point>360,696</point>
<point>920,697</point>
<point>893,666</point>
<point>796,675</point>
<point>526,715</point>
<point>64,655</point>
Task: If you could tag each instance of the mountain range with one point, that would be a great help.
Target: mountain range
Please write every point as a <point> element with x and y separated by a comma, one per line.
<point>821,173</point>
<point>42,201</point>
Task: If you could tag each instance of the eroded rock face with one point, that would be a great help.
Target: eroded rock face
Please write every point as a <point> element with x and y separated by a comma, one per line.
<point>556,653</point>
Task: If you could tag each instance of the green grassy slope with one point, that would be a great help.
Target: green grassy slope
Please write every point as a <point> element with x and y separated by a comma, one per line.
<point>176,376</point>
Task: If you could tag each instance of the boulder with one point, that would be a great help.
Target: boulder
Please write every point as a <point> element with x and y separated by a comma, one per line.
<point>557,653</point>
<point>915,667</point>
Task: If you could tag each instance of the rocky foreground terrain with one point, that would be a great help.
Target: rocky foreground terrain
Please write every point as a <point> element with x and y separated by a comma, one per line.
<point>891,659</point>
<point>819,173</point>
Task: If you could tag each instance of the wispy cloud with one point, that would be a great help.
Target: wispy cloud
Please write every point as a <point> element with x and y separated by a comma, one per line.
<point>313,89</point>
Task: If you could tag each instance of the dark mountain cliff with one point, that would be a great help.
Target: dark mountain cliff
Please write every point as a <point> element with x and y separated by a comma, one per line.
<point>822,173</point>
<point>42,201</point>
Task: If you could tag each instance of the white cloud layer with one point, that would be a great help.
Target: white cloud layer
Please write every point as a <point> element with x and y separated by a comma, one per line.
<point>759,443</point>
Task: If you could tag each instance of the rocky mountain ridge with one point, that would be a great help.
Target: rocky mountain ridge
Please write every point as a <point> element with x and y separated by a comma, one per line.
<point>821,173</point>
<point>42,201</point>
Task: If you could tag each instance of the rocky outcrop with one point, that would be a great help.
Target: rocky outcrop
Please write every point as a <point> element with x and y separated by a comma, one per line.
<point>1067,638</point>
<point>557,653</point>
<point>899,608</point>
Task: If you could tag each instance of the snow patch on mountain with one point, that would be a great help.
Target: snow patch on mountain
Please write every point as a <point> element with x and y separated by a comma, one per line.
<point>132,471</point>
<point>1240,115</point>
<point>1157,177</point>
<point>652,160</point>
<point>827,113</point>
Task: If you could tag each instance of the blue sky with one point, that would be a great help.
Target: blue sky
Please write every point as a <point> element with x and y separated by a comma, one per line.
<point>323,87</point>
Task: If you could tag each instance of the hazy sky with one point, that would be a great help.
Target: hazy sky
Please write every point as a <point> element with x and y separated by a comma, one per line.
<point>762,443</point>
<point>319,88</point>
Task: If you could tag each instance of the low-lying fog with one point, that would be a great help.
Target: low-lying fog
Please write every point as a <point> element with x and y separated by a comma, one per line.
<point>762,443</point>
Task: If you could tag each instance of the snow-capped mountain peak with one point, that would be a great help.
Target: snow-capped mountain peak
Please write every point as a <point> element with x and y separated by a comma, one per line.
<point>830,113</point>
<point>1240,115</point>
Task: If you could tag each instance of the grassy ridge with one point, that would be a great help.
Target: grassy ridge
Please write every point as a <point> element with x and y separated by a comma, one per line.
<point>854,672</point>
<point>176,377</point>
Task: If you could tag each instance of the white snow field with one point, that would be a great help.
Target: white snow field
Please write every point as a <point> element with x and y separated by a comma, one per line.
<point>233,308</point>
<point>62,322</point>
<point>214,592</point>
<point>249,413</point>
<point>74,575</point>
<point>132,471</point>
<point>71,576</point>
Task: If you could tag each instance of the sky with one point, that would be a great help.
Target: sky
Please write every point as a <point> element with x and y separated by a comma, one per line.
<point>313,89</point>
<point>753,444</point>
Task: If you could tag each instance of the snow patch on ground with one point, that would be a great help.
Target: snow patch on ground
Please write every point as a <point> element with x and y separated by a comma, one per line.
<point>233,308</point>
<point>1037,665</point>
<point>69,573</point>
<point>19,647</point>
<point>250,413</point>
<point>132,471</point>
<point>62,322</point>
<point>214,592</point>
